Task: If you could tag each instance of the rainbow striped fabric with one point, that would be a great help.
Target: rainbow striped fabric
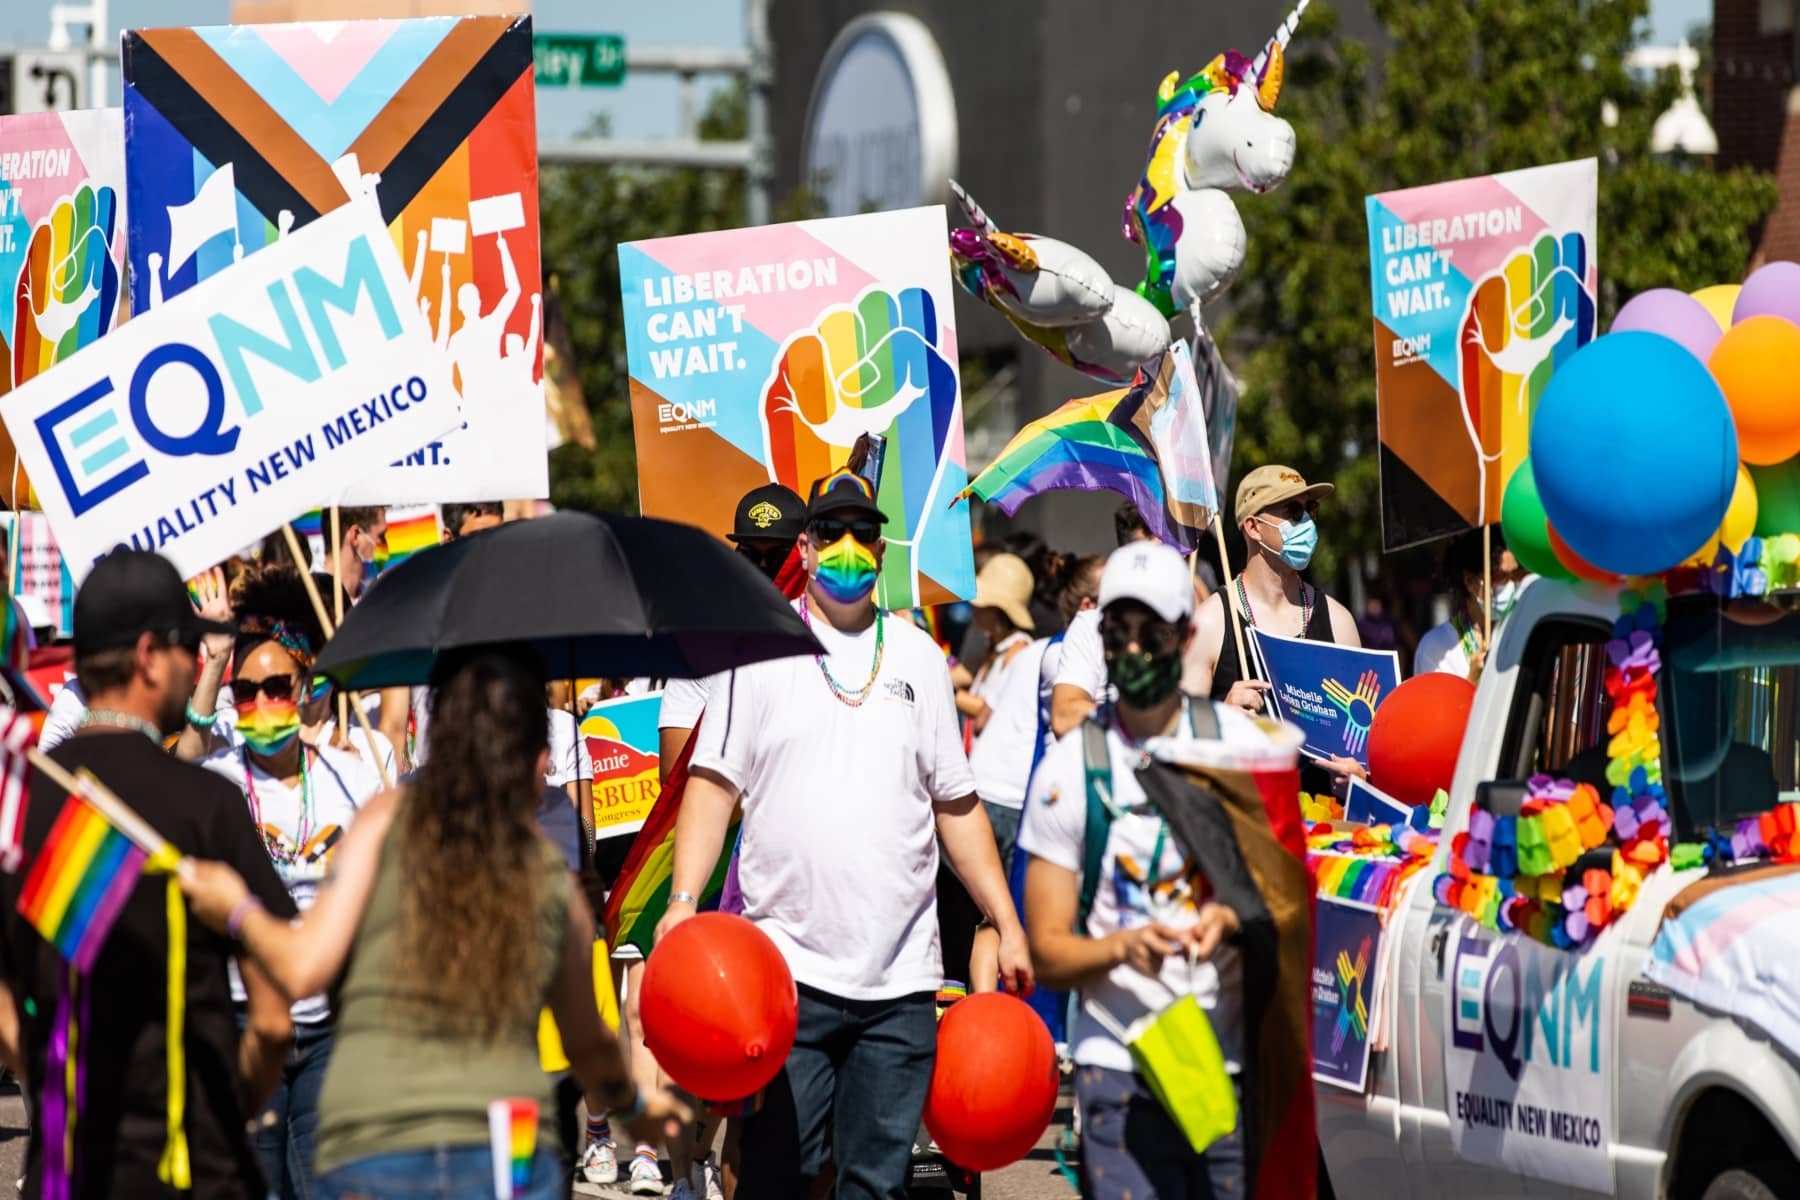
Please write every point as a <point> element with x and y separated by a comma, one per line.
<point>409,531</point>
<point>1146,442</point>
<point>82,877</point>
<point>512,1133</point>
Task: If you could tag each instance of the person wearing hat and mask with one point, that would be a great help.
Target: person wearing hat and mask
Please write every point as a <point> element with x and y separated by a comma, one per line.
<point>136,641</point>
<point>851,772</point>
<point>1155,924</point>
<point>1001,703</point>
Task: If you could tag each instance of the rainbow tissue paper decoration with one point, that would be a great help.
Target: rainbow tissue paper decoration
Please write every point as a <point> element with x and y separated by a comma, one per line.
<point>512,1133</point>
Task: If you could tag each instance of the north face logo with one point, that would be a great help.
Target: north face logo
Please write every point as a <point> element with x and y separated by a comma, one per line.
<point>900,690</point>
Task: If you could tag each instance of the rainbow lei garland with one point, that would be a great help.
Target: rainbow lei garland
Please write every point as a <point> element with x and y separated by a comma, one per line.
<point>1367,864</point>
<point>1519,872</point>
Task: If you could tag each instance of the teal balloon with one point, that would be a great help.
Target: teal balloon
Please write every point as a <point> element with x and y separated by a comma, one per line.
<point>1526,528</point>
<point>1634,452</point>
<point>1777,498</point>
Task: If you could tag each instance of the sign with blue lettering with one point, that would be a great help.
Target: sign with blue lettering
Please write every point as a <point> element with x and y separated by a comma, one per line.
<point>1329,691</point>
<point>196,428</point>
<point>1528,1054</point>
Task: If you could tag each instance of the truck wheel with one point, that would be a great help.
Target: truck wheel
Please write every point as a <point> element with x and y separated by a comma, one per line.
<point>1740,1183</point>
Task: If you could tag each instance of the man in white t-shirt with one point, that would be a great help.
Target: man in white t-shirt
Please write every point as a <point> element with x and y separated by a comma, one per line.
<point>851,771</point>
<point>1153,930</point>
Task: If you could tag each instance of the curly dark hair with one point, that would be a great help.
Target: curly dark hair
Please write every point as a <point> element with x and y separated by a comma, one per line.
<point>274,591</point>
<point>471,879</point>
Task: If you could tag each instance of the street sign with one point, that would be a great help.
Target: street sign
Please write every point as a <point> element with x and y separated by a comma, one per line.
<point>578,59</point>
<point>48,81</point>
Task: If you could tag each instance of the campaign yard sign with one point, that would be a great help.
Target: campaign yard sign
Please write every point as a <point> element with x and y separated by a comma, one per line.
<point>623,740</point>
<point>1329,691</point>
<point>1346,948</point>
<point>198,427</point>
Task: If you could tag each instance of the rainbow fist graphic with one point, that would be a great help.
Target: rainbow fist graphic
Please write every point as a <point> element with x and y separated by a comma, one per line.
<point>1353,1009</point>
<point>1523,320</point>
<point>1358,708</point>
<point>869,367</point>
<point>68,286</point>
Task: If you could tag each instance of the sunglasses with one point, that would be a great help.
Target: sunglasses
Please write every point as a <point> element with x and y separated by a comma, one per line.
<point>1293,510</point>
<point>1158,637</point>
<point>275,687</point>
<point>825,532</point>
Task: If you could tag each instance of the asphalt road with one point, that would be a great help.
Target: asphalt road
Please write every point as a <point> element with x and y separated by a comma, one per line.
<point>1035,1178</point>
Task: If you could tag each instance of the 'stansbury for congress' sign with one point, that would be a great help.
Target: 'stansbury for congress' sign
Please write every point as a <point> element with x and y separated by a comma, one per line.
<point>197,427</point>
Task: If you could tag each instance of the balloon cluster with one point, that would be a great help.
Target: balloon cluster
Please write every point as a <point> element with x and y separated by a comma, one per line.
<point>1671,442</point>
<point>1216,132</point>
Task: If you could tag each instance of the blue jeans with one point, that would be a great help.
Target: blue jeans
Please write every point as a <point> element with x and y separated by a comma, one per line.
<point>284,1133</point>
<point>1132,1150</point>
<point>446,1173</point>
<point>852,1091</point>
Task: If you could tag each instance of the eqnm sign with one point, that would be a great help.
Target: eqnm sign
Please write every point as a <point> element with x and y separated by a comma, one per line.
<point>198,427</point>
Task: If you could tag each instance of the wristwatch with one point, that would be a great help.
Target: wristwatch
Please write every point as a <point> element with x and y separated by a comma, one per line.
<point>683,898</point>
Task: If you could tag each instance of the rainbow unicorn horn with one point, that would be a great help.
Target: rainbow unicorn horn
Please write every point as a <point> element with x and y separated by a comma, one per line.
<point>1269,66</point>
<point>512,1132</point>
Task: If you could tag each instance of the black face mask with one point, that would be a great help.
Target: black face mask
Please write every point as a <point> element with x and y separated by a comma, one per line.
<point>767,559</point>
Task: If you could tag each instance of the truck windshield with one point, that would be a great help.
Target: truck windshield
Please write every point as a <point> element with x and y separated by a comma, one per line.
<point>1730,721</point>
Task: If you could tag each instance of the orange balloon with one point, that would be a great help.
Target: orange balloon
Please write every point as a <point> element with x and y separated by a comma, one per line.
<point>993,1087</point>
<point>1573,563</point>
<point>1757,364</point>
<point>719,1007</point>
<point>1417,736</point>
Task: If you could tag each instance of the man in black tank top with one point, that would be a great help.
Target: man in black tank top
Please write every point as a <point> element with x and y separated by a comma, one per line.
<point>1274,513</point>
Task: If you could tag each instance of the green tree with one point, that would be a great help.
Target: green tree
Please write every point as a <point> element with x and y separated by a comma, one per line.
<point>1466,87</point>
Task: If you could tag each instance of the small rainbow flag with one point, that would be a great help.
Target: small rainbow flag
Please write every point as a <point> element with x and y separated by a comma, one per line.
<point>310,524</point>
<point>512,1132</point>
<point>409,531</point>
<point>82,877</point>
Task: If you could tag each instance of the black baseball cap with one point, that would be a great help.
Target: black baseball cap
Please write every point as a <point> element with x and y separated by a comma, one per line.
<point>843,493</point>
<point>770,511</point>
<point>133,592</point>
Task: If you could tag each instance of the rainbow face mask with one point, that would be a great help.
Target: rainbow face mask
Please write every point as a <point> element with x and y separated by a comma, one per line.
<point>847,570</point>
<point>268,727</point>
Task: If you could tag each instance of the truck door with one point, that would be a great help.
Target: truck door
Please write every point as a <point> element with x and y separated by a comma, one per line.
<point>1550,720</point>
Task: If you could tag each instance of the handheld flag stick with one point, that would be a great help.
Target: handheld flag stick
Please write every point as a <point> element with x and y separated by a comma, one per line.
<point>318,603</point>
<point>337,607</point>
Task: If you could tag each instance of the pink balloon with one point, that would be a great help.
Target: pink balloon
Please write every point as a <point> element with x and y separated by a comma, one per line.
<point>1675,315</point>
<point>1774,291</point>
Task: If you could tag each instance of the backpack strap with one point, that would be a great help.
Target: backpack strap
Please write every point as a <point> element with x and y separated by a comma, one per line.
<point>1097,764</point>
<point>1203,721</point>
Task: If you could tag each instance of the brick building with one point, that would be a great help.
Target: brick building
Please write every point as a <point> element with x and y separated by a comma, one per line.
<point>1756,107</point>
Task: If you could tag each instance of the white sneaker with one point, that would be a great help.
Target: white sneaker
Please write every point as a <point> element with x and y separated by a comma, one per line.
<point>646,1176</point>
<point>704,1181</point>
<point>600,1163</point>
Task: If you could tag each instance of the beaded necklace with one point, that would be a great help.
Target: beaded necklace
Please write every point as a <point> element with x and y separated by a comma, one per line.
<point>843,694</point>
<point>278,854</point>
<point>107,718</point>
<point>1465,632</point>
<point>1306,606</point>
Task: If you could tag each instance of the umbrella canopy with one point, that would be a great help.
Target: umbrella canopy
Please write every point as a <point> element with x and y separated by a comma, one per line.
<point>595,595</point>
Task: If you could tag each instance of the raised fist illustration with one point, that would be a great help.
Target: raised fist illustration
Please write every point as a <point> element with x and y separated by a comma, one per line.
<point>68,288</point>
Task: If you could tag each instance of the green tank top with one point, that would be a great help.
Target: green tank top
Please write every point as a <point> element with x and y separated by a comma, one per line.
<point>392,1085</point>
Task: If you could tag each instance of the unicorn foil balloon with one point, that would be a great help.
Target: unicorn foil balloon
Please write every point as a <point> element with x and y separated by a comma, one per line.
<point>1215,133</point>
<point>1057,296</point>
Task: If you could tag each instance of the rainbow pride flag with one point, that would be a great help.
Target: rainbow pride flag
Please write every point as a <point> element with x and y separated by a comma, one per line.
<point>512,1133</point>
<point>409,531</point>
<point>310,525</point>
<point>82,877</point>
<point>1146,442</point>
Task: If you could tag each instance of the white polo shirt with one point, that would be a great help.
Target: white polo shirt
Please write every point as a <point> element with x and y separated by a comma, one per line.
<point>839,855</point>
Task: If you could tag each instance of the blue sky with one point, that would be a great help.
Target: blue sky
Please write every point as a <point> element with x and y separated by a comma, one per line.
<point>643,107</point>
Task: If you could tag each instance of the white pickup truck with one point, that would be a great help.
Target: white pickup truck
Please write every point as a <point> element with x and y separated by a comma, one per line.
<point>1507,1068</point>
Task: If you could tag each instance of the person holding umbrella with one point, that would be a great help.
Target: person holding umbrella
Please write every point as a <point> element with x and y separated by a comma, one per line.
<point>850,771</point>
<point>448,924</point>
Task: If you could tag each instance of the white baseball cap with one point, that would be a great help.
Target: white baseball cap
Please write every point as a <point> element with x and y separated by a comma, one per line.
<point>1152,573</point>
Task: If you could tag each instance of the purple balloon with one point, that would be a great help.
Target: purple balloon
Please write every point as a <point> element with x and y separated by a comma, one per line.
<point>1675,315</point>
<point>1774,291</point>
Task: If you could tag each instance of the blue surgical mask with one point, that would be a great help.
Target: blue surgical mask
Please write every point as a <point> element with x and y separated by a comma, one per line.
<point>1298,541</point>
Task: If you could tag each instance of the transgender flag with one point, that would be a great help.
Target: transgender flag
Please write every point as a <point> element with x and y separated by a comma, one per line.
<point>1146,442</point>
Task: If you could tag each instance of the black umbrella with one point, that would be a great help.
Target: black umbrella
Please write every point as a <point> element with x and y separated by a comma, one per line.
<point>595,595</point>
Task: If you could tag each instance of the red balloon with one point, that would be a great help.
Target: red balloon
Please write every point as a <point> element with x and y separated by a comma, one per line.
<point>1417,734</point>
<point>719,1007</point>
<point>993,1089</point>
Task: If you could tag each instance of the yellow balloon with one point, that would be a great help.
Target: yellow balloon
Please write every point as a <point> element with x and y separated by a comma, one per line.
<point>1719,300</point>
<point>1739,522</point>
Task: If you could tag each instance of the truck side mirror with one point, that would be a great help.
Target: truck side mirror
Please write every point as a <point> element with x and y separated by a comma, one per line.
<point>1501,797</point>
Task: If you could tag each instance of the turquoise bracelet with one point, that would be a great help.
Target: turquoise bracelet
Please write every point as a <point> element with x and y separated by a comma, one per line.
<point>200,722</point>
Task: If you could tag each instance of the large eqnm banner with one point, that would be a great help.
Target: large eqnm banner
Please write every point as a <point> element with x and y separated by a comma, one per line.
<point>1482,287</point>
<point>764,354</point>
<point>236,135</point>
